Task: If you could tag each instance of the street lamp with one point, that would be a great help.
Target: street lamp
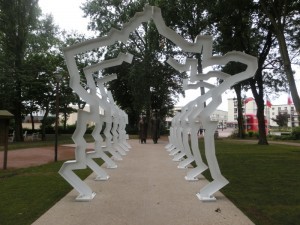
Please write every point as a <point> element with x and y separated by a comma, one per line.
<point>58,77</point>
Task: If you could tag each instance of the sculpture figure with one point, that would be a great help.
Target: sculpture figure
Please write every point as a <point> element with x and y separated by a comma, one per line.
<point>196,115</point>
<point>201,114</point>
<point>81,158</point>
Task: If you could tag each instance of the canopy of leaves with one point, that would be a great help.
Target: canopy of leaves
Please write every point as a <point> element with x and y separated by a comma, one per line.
<point>281,119</point>
<point>147,84</point>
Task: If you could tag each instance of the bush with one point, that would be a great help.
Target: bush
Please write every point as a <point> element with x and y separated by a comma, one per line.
<point>296,133</point>
<point>69,129</point>
<point>283,138</point>
<point>132,129</point>
<point>48,123</point>
<point>164,131</point>
<point>90,129</point>
<point>250,133</point>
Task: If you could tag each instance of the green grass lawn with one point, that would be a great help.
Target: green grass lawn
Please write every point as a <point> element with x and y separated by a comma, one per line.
<point>27,193</point>
<point>264,184</point>
<point>264,180</point>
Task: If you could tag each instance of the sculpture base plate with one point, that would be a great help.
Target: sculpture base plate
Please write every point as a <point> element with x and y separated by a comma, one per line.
<point>191,178</point>
<point>111,167</point>
<point>85,198</point>
<point>182,167</point>
<point>102,178</point>
<point>117,159</point>
<point>205,198</point>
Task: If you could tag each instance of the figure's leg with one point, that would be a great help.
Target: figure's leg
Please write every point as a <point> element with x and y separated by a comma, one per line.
<point>179,152</point>
<point>100,172</point>
<point>171,144</point>
<point>170,140</point>
<point>115,143</point>
<point>121,143</point>
<point>108,137</point>
<point>201,166</point>
<point>66,171</point>
<point>185,141</point>
<point>206,193</point>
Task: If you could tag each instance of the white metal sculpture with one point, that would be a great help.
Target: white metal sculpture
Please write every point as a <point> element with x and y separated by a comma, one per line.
<point>119,140</point>
<point>182,124</point>
<point>201,114</point>
<point>81,158</point>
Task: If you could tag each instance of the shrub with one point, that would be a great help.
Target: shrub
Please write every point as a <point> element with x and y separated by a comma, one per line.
<point>69,129</point>
<point>250,133</point>
<point>296,133</point>
<point>132,129</point>
<point>283,138</point>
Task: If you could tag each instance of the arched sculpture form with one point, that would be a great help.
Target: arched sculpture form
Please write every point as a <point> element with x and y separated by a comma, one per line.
<point>202,44</point>
<point>81,159</point>
<point>150,12</point>
<point>202,114</point>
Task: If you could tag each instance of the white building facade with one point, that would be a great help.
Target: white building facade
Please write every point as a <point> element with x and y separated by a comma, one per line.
<point>219,115</point>
<point>270,112</point>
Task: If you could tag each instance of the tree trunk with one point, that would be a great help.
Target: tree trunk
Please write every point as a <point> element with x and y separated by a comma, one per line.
<point>288,69</point>
<point>32,121</point>
<point>258,93</point>
<point>240,119</point>
<point>276,21</point>
<point>257,88</point>
<point>43,127</point>
<point>18,104</point>
<point>262,138</point>
<point>65,120</point>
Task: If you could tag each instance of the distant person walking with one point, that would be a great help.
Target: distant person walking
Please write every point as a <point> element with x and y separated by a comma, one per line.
<point>155,128</point>
<point>143,126</point>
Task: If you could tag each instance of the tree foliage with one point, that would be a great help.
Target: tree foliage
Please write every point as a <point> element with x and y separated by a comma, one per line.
<point>281,119</point>
<point>30,53</point>
<point>18,18</point>
<point>147,84</point>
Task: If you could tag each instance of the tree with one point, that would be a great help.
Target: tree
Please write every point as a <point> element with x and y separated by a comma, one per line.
<point>39,55</point>
<point>237,28</point>
<point>241,26</point>
<point>284,18</point>
<point>67,98</point>
<point>145,82</point>
<point>43,57</point>
<point>18,19</point>
<point>281,119</point>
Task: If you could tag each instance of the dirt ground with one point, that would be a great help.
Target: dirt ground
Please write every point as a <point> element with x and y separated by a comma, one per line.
<point>23,158</point>
<point>28,157</point>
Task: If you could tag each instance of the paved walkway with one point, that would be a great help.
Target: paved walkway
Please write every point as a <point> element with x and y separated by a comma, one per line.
<point>147,188</point>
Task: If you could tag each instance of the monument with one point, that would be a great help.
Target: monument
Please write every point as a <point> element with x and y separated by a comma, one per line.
<point>188,122</point>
